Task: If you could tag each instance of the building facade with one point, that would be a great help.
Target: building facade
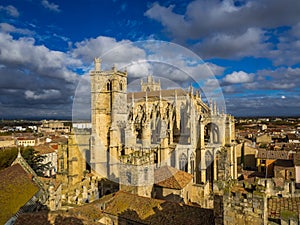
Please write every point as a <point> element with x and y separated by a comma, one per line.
<point>157,127</point>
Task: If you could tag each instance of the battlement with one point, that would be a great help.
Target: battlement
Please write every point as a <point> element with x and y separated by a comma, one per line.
<point>143,156</point>
<point>150,84</point>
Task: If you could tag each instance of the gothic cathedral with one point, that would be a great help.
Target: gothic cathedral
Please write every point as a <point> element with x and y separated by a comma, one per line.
<point>157,127</point>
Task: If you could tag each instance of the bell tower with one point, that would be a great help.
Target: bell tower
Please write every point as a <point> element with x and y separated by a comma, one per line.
<point>109,115</point>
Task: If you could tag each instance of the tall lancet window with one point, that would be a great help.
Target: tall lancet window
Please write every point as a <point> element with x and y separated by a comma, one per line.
<point>183,162</point>
<point>108,86</point>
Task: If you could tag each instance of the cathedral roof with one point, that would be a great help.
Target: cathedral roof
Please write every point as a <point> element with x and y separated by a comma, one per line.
<point>155,94</point>
<point>170,177</point>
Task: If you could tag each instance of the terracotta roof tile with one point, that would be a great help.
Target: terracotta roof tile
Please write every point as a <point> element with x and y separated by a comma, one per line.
<point>130,207</point>
<point>153,211</point>
<point>44,149</point>
<point>170,177</point>
<point>276,206</point>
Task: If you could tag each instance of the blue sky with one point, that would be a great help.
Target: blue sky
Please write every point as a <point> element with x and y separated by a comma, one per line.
<point>46,46</point>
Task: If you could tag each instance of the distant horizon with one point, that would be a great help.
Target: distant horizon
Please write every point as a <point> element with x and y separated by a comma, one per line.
<point>69,119</point>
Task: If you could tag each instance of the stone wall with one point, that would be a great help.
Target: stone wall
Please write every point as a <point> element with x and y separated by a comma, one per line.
<point>137,179</point>
<point>83,192</point>
<point>54,199</point>
<point>183,195</point>
<point>283,188</point>
<point>249,156</point>
<point>240,208</point>
<point>200,195</point>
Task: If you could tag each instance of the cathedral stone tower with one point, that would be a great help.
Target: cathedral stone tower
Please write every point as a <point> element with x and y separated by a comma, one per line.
<point>150,84</point>
<point>109,115</point>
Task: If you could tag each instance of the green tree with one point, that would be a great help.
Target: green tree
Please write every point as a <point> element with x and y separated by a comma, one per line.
<point>7,156</point>
<point>35,160</point>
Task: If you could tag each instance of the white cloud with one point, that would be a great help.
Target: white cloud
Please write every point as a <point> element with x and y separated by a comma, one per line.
<point>205,17</point>
<point>7,28</point>
<point>109,49</point>
<point>231,45</point>
<point>11,10</point>
<point>51,6</point>
<point>24,53</point>
<point>281,78</point>
<point>286,51</point>
<point>229,89</point>
<point>141,58</point>
<point>174,23</point>
<point>238,77</point>
<point>139,69</point>
<point>223,29</point>
<point>46,94</point>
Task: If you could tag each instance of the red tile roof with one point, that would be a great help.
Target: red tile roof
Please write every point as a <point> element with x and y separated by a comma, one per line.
<point>44,149</point>
<point>277,207</point>
<point>170,177</point>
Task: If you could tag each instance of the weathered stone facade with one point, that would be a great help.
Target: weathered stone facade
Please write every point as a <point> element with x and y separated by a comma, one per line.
<point>258,202</point>
<point>240,208</point>
<point>78,186</point>
<point>154,126</point>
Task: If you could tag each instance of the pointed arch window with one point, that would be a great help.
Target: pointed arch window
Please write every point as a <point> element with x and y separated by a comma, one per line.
<point>183,162</point>
<point>108,86</point>
<point>121,86</point>
<point>128,176</point>
<point>192,161</point>
<point>146,174</point>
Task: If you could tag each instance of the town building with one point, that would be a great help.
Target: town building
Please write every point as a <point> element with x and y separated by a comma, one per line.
<point>49,155</point>
<point>25,141</point>
<point>51,126</point>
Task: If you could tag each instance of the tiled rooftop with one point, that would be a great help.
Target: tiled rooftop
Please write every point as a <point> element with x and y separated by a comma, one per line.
<point>170,177</point>
<point>44,149</point>
<point>269,154</point>
<point>133,208</point>
<point>153,211</point>
<point>16,188</point>
<point>277,205</point>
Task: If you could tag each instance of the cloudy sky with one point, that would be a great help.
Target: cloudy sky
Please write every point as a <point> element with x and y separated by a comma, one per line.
<point>251,46</point>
